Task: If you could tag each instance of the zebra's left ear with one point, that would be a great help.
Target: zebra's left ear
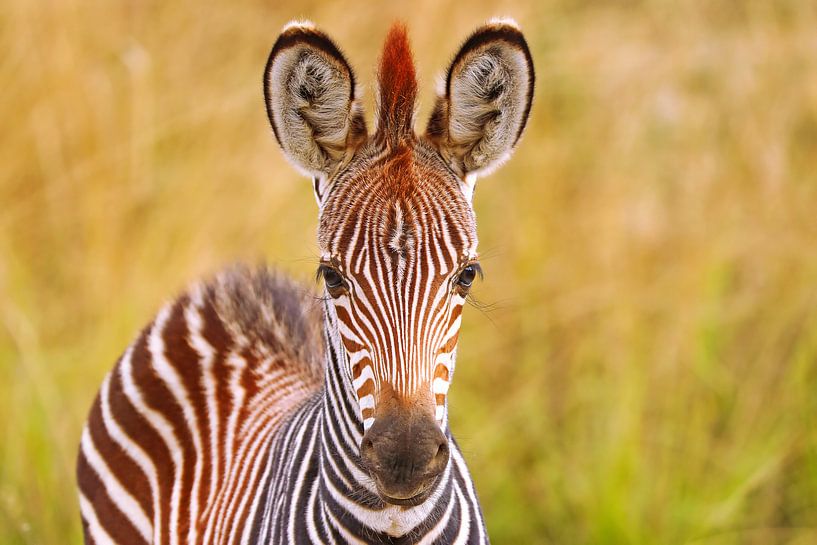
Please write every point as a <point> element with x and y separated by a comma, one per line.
<point>483,108</point>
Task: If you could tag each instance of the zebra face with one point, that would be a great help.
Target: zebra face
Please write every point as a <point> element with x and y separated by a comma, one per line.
<point>397,232</point>
<point>398,256</point>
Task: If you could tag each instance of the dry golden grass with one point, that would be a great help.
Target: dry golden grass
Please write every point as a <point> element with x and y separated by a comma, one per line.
<point>645,370</point>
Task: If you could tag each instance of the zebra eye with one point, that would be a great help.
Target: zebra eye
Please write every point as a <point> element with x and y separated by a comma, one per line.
<point>332,278</point>
<point>467,276</point>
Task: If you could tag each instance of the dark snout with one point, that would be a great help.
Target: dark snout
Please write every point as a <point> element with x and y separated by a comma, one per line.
<point>405,454</point>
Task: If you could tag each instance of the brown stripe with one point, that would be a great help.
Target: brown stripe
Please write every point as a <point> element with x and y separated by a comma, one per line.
<point>110,517</point>
<point>122,466</point>
<point>136,426</point>
<point>217,337</point>
<point>367,388</point>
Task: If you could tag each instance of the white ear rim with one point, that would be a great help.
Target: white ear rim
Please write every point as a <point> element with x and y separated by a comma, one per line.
<point>299,23</point>
<point>504,21</point>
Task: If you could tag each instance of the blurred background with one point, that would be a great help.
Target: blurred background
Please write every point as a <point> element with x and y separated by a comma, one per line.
<point>642,367</point>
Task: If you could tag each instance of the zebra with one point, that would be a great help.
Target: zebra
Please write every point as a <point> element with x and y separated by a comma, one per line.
<point>252,411</point>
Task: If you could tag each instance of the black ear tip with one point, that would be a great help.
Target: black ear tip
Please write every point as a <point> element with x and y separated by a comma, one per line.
<point>293,33</point>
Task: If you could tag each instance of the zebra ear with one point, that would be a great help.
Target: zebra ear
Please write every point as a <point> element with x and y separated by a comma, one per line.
<point>309,89</point>
<point>482,109</point>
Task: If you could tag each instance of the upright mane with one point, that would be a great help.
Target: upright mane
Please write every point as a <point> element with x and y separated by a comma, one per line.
<point>397,84</point>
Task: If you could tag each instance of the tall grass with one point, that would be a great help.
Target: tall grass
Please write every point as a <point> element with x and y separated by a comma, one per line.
<point>643,368</point>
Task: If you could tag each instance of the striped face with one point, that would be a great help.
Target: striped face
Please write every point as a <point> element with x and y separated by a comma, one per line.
<point>397,232</point>
<point>398,256</point>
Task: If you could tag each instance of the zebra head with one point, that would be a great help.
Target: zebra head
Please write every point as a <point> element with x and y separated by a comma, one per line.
<point>397,231</point>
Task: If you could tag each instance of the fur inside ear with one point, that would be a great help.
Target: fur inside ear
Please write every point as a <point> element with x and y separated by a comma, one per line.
<point>309,89</point>
<point>484,105</point>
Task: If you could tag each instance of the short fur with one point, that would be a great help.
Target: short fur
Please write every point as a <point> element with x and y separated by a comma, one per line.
<point>272,316</point>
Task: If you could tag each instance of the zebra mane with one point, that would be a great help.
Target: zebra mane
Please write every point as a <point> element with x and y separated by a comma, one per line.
<point>271,316</point>
<point>397,94</point>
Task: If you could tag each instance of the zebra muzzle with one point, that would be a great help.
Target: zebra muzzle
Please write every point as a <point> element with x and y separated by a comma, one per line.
<point>405,453</point>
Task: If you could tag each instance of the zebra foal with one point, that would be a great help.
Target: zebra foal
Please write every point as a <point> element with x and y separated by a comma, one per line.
<point>242,414</point>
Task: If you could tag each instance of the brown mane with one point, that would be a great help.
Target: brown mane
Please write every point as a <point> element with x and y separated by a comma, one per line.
<point>398,88</point>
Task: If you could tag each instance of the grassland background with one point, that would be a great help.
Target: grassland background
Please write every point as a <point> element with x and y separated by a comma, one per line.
<point>645,369</point>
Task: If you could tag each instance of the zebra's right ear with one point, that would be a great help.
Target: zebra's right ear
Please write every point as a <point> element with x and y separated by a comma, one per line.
<point>309,89</point>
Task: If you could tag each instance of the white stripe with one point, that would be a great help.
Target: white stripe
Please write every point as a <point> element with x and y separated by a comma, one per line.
<point>167,373</point>
<point>456,456</point>
<point>123,500</point>
<point>365,374</point>
<point>98,533</point>
<point>367,402</point>
<point>130,447</point>
<point>440,386</point>
<point>157,421</point>
<point>435,532</point>
<point>348,538</point>
<point>465,519</point>
<point>207,378</point>
<point>300,478</point>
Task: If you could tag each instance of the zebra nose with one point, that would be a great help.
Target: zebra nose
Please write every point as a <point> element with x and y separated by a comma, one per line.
<point>405,455</point>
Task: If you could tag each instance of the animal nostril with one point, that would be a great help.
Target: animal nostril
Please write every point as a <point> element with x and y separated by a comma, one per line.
<point>441,456</point>
<point>367,448</point>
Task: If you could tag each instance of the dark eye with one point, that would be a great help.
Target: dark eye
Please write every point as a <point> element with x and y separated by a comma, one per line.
<point>467,275</point>
<point>331,277</point>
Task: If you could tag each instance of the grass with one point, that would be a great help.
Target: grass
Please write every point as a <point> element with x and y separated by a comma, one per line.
<point>646,367</point>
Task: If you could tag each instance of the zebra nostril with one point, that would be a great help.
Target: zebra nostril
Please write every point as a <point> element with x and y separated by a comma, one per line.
<point>367,453</point>
<point>440,459</point>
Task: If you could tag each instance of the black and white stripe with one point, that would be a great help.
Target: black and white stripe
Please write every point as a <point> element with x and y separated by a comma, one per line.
<point>324,494</point>
<point>202,435</point>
